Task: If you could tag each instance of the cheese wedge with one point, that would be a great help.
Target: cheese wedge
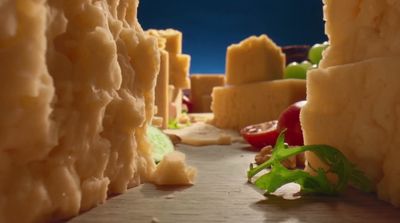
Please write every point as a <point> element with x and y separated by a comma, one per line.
<point>203,134</point>
<point>170,40</point>
<point>235,107</point>
<point>76,93</point>
<point>255,59</point>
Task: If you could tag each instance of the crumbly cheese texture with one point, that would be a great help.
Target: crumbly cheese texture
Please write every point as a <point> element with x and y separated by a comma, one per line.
<point>76,93</point>
<point>353,99</point>
<point>235,107</point>
<point>360,30</point>
<point>173,170</point>
<point>255,59</point>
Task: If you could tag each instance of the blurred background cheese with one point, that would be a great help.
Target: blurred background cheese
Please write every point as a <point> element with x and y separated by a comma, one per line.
<point>235,107</point>
<point>162,89</point>
<point>255,59</point>
<point>353,100</point>
<point>76,93</point>
<point>174,67</point>
<point>201,88</point>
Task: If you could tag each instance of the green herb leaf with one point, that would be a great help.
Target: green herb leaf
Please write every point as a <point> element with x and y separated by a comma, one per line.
<point>173,124</point>
<point>279,175</point>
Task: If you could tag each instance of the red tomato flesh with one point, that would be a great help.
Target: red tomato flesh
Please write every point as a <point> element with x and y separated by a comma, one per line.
<point>261,135</point>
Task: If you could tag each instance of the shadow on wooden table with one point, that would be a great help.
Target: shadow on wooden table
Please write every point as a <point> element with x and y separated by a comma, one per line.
<point>353,206</point>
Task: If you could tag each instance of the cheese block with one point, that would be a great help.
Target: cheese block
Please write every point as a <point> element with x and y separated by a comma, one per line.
<point>169,39</point>
<point>76,93</point>
<point>179,64</point>
<point>175,105</point>
<point>162,89</point>
<point>179,70</point>
<point>361,118</point>
<point>255,59</point>
<point>353,101</point>
<point>235,107</point>
<point>175,70</point>
<point>201,89</point>
<point>205,103</point>
<point>360,30</point>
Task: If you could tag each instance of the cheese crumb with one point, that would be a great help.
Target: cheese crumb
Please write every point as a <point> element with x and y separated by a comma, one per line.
<point>173,170</point>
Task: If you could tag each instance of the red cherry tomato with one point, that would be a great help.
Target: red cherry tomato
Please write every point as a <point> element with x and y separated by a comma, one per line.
<point>290,120</point>
<point>261,135</point>
<point>189,105</point>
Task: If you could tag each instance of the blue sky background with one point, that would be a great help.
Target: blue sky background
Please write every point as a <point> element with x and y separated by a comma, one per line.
<point>209,26</point>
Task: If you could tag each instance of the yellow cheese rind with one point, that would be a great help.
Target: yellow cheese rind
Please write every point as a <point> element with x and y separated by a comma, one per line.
<point>355,108</point>
<point>360,30</point>
<point>255,59</point>
<point>201,89</point>
<point>77,89</point>
<point>173,170</point>
<point>235,107</point>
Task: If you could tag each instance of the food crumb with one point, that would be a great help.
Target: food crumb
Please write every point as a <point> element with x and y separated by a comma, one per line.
<point>170,196</point>
<point>155,220</point>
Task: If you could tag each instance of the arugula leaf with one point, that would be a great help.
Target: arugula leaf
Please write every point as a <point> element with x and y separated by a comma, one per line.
<point>338,164</point>
<point>173,124</point>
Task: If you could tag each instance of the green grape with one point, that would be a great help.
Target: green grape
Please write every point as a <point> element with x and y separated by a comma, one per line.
<point>297,71</point>
<point>315,53</point>
<point>306,65</point>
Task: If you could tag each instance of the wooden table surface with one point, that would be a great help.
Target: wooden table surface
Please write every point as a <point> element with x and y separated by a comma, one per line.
<point>221,194</point>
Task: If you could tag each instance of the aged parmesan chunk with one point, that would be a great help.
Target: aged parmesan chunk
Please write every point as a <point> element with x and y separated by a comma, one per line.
<point>235,107</point>
<point>360,30</point>
<point>173,77</point>
<point>255,59</point>
<point>76,93</point>
<point>173,170</point>
<point>353,99</point>
<point>361,118</point>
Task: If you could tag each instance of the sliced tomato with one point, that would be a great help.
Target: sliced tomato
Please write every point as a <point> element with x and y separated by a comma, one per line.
<point>261,135</point>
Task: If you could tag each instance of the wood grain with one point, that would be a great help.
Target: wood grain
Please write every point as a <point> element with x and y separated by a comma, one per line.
<point>221,194</point>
